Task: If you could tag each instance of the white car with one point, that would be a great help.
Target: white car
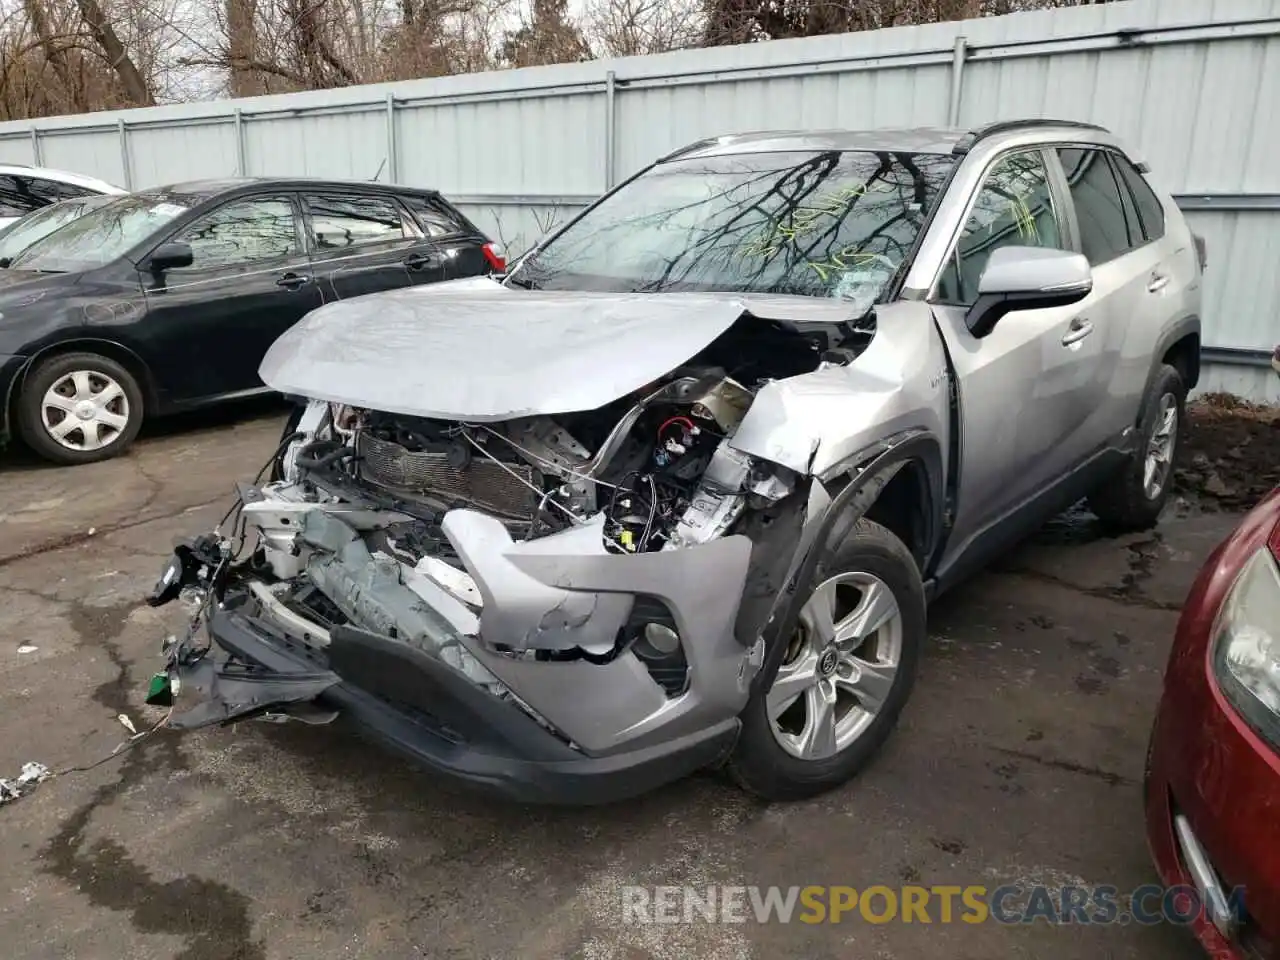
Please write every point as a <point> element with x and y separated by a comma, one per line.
<point>23,189</point>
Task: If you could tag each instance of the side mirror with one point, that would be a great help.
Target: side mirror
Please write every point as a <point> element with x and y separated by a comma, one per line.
<point>1027,278</point>
<point>170,256</point>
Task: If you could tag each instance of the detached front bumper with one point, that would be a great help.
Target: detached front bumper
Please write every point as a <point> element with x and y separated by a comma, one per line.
<point>428,712</point>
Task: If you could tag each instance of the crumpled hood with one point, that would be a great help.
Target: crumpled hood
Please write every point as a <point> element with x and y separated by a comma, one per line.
<point>476,350</point>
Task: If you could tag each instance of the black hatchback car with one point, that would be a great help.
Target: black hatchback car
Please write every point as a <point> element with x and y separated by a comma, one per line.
<point>169,298</point>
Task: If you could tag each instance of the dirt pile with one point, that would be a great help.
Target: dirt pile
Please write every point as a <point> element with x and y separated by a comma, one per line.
<point>1230,454</point>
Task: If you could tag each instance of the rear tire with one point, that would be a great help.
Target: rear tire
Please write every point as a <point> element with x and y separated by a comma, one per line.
<point>858,686</point>
<point>79,408</point>
<point>1134,497</point>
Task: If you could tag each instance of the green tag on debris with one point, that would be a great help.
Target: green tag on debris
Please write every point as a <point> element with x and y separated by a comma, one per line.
<point>160,691</point>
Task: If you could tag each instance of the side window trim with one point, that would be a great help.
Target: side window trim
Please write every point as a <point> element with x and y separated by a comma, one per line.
<point>958,231</point>
<point>1063,204</point>
<point>1128,206</point>
<point>1118,162</point>
<point>192,221</point>
<point>414,231</point>
<point>435,202</point>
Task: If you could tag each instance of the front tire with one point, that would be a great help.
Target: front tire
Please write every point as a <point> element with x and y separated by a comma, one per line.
<point>1134,497</point>
<point>79,408</point>
<point>825,704</point>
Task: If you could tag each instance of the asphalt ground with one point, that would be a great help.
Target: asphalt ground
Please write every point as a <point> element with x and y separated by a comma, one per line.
<point>1018,761</point>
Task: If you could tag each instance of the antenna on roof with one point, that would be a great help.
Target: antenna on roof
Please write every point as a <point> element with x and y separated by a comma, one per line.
<point>380,166</point>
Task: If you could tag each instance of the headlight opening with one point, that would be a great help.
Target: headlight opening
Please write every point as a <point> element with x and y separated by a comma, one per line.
<point>1247,645</point>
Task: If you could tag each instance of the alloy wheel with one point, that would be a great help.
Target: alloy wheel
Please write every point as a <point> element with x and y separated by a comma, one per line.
<point>838,669</point>
<point>1160,447</point>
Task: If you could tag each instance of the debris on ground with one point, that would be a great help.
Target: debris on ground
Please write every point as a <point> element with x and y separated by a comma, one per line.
<point>1230,455</point>
<point>32,773</point>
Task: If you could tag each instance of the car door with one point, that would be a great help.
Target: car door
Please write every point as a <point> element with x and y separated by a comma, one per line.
<point>365,243</point>
<point>210,324</point>
<point>1125,265</point>
<point>1025,390</point>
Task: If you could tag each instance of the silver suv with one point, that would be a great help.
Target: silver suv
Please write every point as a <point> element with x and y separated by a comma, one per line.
<point>675,492</point>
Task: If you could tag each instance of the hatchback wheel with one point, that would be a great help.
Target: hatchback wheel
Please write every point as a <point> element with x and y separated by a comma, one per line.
<point>78,408</point>
<point>827,701</point>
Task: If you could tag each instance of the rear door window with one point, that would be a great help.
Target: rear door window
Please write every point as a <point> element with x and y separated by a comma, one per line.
<point>1106,230</point>
<point>344,222</point>
<point>1150,210</point>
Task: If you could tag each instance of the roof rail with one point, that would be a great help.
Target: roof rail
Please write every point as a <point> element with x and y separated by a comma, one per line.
<point>967,142</point>
<point>687,148</point>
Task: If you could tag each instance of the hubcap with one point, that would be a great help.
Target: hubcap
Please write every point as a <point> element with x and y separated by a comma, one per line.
<point>839,667</point>
<point>85,410</point>
<point>1160,446</point>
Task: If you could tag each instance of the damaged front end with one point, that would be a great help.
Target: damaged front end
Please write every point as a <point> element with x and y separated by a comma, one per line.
<point>568,606</point>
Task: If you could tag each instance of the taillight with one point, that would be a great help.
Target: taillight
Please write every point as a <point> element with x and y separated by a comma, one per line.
<point>1201,251</point>
<point>496,256</point>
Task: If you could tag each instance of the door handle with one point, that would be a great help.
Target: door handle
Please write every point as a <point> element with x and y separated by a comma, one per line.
<point>1158,282</point>
<point>293,281</point>
<point>1079,329</point>
<point>416,261</point>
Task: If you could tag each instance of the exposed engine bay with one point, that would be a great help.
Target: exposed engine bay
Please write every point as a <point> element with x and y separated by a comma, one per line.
<point>507,548</point>
<point>655,464</point>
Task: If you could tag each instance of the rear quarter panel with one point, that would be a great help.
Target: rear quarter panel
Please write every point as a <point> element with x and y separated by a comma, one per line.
<point>1176,310</point>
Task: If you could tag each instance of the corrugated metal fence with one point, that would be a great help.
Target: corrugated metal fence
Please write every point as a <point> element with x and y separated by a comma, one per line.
<point>1194,84</point>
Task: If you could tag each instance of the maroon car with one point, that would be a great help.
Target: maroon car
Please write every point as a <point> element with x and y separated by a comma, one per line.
<point>1213,772</point>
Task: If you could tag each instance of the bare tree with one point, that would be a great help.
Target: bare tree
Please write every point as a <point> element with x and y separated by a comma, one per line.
<point>548,35</point>
<point>744,21</point>
<point>118,58</point>
<point>626,28</point>
<point>70,56</point>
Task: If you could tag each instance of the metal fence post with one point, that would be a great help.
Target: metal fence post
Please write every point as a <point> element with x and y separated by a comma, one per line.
<point>610,126</point>
<point>36,160</point>
<point>393,174</point>
<point>125,162</point>
<point>238,124</point>
<point>958,56</point>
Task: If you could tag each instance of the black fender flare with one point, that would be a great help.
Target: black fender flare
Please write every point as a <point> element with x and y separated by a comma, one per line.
<point>846,508</point>
<point>1179,330</point>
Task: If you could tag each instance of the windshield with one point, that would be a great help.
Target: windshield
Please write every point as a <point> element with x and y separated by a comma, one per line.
<point>101,235</point>
<point>830,224</point>
<point>38,225</point>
